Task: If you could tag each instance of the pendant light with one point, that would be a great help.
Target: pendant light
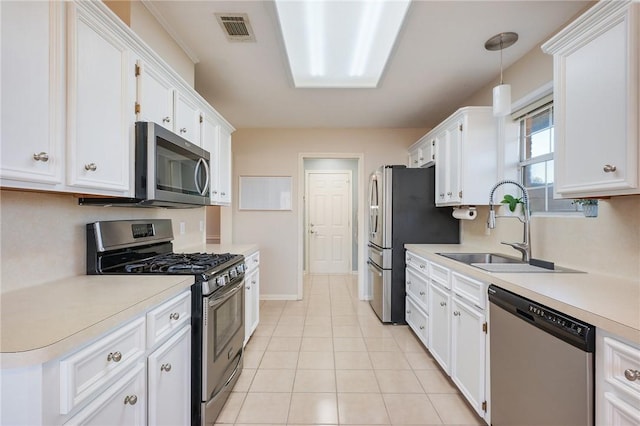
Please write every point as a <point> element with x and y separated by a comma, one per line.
<point>502,92</point>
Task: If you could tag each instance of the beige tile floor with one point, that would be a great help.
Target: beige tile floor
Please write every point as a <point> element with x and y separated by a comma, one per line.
<point>328,360</point>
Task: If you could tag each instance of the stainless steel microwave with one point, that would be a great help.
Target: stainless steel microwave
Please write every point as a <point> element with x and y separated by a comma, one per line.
<point>169,171</point>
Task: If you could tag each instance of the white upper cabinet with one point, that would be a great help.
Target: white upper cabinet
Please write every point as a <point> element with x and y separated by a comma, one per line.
<point>187,117</point>
<point>154,95</point>
<point>32,120</point>
<point>423,152</point>
<point>466,157</point>
<point>100,100</point>
<point>216,139</point>
<point>596,108</point>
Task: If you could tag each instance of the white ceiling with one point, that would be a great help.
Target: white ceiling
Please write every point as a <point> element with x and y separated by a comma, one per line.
<point>438,63</point>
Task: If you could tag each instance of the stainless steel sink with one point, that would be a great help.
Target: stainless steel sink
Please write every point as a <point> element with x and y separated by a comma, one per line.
<point>494,262</point>
<point>470,258</point>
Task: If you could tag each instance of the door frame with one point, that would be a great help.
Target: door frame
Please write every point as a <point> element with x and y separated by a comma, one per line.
<point>362,244</point>
<point>306,210</point>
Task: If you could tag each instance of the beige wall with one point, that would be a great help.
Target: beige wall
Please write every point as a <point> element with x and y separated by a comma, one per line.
<point>44,237</point>
<point>609,244</point>
<point>275,152</point>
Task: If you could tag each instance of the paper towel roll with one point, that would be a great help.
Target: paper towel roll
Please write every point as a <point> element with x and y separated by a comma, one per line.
<point>467,213</point>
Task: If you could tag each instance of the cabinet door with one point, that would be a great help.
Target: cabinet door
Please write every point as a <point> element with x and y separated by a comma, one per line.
<point>417,319</point>
<point>252,303</point>
<point>101,97</point>
<point>440,325</point>
<point>454,163</point>
<point>187,118</point>
<point>211,143</point>
<point>596,103</point>
<point>123,403</point>
<point>170,381</point>
<point>468,342</point>
<point>32,121</point>
<point>414,156</point>
<point>441,168</point>
<point>154,95</point>
<point>224,164</point>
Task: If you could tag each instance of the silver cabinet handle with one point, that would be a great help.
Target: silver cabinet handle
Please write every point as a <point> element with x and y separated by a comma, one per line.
<point>632,375</point>
<point>415,161</point>
<point>214,192</point>
<point>114,356</point>
<point>130,399</point>
<point>223,194</point>
<point>442,195</point>
<point>422,293</point>
<point>166,119</point>
<point>422,327</point>
<point>408,312</point>
<point>456,314</point>
<point>311,231</point>
<point>608,168</point>
<point>183,130</point>
<point>255,260</point>
<point>422,266</point>
<point>253,282</point>
<point>449,193</point>
<point>165,367</point>
<point>248,288</point>
<point>91,167</point>
<point>41,156</point>
<point>443,303</point>
<point>408,282</point>
<point>174,316</point>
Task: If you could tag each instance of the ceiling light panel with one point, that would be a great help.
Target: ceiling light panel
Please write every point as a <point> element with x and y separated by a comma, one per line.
<point>340,44</point>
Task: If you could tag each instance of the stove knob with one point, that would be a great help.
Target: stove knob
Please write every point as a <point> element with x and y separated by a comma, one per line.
<point>233,273</point>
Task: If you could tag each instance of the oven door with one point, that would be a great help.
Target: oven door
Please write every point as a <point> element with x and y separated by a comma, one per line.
<point>223,337</point>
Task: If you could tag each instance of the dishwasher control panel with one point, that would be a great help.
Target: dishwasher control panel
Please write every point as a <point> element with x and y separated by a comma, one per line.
<point>558,320</point>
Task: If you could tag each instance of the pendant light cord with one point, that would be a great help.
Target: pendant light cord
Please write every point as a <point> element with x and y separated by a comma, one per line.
<point>501,48</point>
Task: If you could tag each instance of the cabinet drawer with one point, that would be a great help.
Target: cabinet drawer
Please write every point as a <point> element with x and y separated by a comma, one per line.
<point>418,263</point>
<point>467,288</point>
<point>440,274</point>
<point>618,412</point>
<point>620,357</point>
<point>252,261</point>
<point>417,286</point>
<point>123,403</point>
<point>83,373</point>
<point>417,319</point>
<point>168,317</point>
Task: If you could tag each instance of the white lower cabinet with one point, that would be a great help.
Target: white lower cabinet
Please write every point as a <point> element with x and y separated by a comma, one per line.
<point>169,375</point>
<point>440,325</point>
<point>252,295</point>
<point>450,319</point>
<point>617,381</point>
<point>119,378</point>
<point>468,352</point>
<point>123,403</point>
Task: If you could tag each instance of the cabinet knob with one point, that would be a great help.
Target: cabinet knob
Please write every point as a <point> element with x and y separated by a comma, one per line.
<point>174,316</point>
<point>422,293</point>
<point>632,375</point>
<point>415,161</point>
<point>166,119</point>
<point>248,288</point>
<point>443,303</point>
<point>255,260</point>
<point>223,193</point>
<point>214,192</point>
<point>253,282</point>
<point>608,168</point>
<point>183,130</point>
<point>91,167</point>
<point>422,266</point>
<point>408,312</point>
<point>456,314</point>
<point>165,367</point>
<point>408,282</point>
<point>421,158</point>
<point>130,399</point>
<point>41,156</point>
<point>449,194</point>
<point>114,356</point>
<point>422,327</point>
<point>442,195</point>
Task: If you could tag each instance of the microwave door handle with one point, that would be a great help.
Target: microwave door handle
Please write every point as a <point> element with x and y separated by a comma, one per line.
<point>207,180</point>
<point>196,171</point>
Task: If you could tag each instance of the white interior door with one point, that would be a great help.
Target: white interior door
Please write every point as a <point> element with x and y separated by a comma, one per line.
<point>329,223</point>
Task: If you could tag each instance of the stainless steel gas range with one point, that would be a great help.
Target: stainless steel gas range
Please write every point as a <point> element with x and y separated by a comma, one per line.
<point>217,324</point>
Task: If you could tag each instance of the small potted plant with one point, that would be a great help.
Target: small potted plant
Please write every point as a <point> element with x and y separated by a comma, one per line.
<point>589,206</point>
<point>514,205</point>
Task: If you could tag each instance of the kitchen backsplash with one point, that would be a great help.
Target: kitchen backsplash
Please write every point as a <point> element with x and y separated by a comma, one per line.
<point>44,237</point>
<point>608,244</point>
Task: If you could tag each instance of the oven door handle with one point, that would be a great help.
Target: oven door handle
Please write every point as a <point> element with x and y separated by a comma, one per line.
<point>220,299</point>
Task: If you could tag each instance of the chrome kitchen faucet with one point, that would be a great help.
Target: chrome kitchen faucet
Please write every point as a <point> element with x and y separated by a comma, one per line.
<point>525,246</point>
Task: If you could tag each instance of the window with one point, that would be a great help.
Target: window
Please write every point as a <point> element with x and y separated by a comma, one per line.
<point>536,160</point>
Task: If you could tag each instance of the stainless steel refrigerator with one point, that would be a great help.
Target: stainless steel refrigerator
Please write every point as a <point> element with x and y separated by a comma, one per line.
<point>402,211</point>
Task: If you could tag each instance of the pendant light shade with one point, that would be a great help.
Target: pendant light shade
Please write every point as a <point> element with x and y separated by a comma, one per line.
<point>502,92</point>
<point>502,100</point>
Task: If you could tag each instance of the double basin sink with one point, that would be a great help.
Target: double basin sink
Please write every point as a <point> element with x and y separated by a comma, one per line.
<point>494,262</point>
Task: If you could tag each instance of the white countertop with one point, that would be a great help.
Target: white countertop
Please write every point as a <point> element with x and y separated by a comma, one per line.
<point>610,303</point>
<point>40,323</point>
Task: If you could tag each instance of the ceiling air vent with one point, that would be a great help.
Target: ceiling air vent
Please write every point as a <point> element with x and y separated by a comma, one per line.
<point>236,26</point>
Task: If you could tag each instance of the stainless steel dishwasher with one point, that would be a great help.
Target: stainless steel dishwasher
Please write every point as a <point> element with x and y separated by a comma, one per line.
<point>542,368</point>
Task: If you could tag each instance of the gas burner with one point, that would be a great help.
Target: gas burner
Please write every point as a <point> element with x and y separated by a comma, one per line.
<point>179,263</point>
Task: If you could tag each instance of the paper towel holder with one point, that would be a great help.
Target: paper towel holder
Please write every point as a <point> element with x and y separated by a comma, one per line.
<point>465,212</point>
